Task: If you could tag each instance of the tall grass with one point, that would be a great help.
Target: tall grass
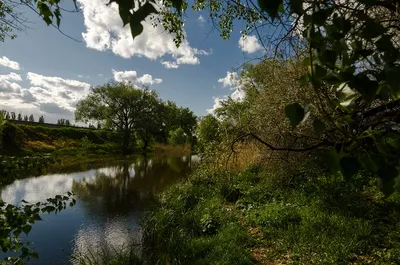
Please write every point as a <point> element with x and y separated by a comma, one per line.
<point>222,217</point>
<point>172,150</point>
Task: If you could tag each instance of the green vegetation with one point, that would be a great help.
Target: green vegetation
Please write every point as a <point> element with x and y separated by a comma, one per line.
<point>137,115</point>
<point>290,172</point>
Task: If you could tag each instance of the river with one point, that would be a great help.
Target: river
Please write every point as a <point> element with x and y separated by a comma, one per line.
<point>110,203</point>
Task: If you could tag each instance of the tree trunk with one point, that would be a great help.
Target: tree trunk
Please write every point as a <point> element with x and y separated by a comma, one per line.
<point>125,142</point>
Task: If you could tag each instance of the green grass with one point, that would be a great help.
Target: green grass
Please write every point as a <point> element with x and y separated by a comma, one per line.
<point>248,217</point>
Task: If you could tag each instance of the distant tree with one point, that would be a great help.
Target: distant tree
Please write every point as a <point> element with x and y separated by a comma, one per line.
<point>26,118</point>
<point>13,115</point>
<point>7,115</point>
<point>67,123</point>
<point>118,105</point>
<point>177,137</point>
<point>31,118</point>
<point>19,116</point>
<point>61,122</point>
<point>41,119</point>
<point>91,126</point>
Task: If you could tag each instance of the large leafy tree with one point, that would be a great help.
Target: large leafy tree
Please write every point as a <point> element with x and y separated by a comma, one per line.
<point>121,106</point>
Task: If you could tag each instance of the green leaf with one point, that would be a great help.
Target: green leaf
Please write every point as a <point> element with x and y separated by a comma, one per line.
<point>139,16</point>
<point>319,127</point>
<point>26,229</point>
<point>125,15</point>
<point>349,166</point>
<point>331,160</point>
<point>295,113</point>
<point>296,7</point>
<point>321,16</point>
<point>270,6</point>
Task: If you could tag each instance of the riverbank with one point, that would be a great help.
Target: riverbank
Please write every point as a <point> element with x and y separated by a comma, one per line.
<point>253,216</point>
<point>23,140</point>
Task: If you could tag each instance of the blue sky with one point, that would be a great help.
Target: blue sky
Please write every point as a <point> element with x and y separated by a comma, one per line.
<point>45,73</point>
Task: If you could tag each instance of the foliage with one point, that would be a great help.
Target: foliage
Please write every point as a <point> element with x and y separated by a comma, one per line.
<point>41,119</point>
<point>177,137</point>
<point>31,118</point>
<point>352,54</point>
<point>134,111</point>
<point>219,217</point>
<point>16,220</point>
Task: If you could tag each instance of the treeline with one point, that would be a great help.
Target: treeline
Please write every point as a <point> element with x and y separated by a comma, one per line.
<point>137,115</point>
<point>20,117</point>
<point>31,118</point>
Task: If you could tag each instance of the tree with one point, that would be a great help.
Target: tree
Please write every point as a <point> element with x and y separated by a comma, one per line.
<point>11,19</point>
<point>351,49</point>
<point>7,115</point>
<point>41,119</point>
<point>26,118</point>
<point>177,137</point>
<point>31,118</point>
<point>13,115</point>
<point>118,105</point>
<point>61,122</point>
<point>67,123</point>
<point>19,116</point>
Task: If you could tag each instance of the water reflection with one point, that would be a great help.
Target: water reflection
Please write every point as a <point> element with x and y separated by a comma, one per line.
<point>110,202</point>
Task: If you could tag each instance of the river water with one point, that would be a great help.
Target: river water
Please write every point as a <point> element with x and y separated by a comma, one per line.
<point>110,203</point>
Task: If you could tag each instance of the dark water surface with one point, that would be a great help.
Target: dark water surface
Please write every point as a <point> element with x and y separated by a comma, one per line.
<point>110,202</point>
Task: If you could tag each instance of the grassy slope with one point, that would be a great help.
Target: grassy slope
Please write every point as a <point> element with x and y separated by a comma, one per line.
<point>252,217</point>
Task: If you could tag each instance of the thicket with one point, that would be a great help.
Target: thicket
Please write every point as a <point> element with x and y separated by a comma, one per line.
<point>250,203</point>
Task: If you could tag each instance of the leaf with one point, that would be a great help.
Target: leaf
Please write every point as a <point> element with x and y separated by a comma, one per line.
<point>319,127</point>
<point>296,7</point>
<point>139,16</point>
<point>270,6</point>
<point>295,113</point>
<point>125,15</point>
<point>26,229</point>
<point>321,16</point>
<point>349,166</point>
<point>331,160</point>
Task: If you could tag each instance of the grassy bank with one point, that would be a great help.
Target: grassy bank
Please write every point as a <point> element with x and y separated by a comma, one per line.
<point>253,216</point>
<point>20,139</point>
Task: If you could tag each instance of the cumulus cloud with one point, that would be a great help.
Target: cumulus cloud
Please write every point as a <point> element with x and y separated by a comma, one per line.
<point>8,83</point>
<point>105,31</point>
<point>132,76</point>
<point>54,108</point>
<point>201,20</point>
<point>249,44</point>
<point>53,82</point>
<point>230,80</point>
<point>4,61</point>
<point>170,65</point>
<point>52,95</point>
<point>233,82</point>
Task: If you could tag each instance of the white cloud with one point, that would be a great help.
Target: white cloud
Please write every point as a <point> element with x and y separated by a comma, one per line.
<point>249,44</point>
<point>233,82</point>
<point>53,82</point>
<point>131,76</point>
<point>105,31</point>
<point>230,80</point>
<point>201,20</point>
<point>8,83</point>
<point>4,61</point>
<point>170,65</point>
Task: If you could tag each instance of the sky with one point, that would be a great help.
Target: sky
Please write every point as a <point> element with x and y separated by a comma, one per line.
<point>44,72</point>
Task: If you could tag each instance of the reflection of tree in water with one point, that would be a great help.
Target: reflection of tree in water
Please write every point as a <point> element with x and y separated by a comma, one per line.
<point>125,188</point>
